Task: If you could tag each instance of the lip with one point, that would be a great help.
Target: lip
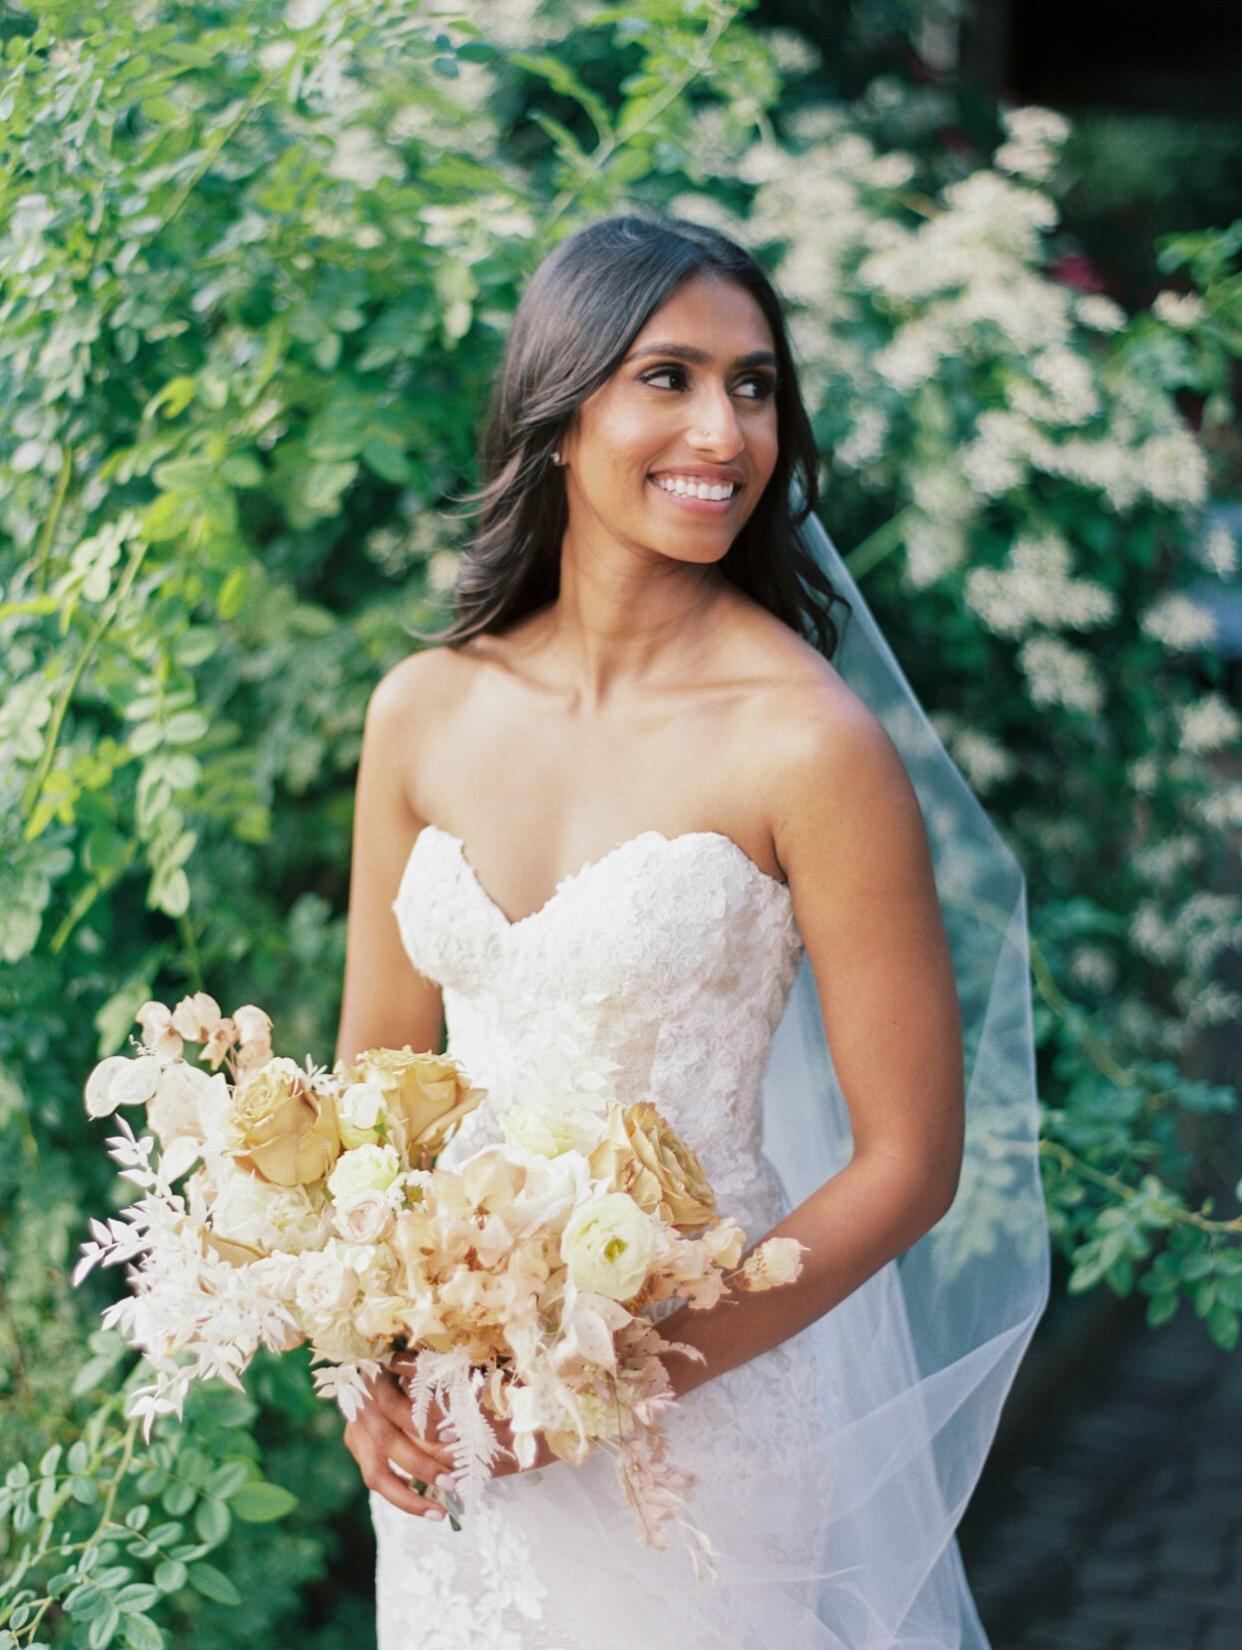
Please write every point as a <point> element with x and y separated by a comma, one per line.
<point>698,506</point>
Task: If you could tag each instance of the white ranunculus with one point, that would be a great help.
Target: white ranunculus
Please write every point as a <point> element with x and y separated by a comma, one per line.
<point>608,1245</point>
<point>359,1112</point>
<point>367,1219</point>
<point>325,1283</point>
<point>362,1170</point>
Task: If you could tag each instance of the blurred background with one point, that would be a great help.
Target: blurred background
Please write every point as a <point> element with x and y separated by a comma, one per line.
<point>257,262</point>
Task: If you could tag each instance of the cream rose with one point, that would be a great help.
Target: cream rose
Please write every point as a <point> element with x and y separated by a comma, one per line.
<point>281,1128</point>
<point>359,1114</point>
<point>362,1172</point>
<point>608,1244</point>
<point>643,1155</point>
<point>368,1219</point>
<point>325,1283</point>
<point>425,1095</point>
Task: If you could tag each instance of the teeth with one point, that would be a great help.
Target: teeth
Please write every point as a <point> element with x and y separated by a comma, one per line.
<point>695,489</point>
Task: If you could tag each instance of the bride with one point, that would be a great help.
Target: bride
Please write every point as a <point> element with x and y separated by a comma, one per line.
<point>629,793</point>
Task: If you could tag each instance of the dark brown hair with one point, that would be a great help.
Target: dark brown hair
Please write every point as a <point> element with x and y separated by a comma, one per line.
<point>580,312</point>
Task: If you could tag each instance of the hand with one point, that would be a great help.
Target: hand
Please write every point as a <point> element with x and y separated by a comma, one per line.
<point>443,1429</point>
<point>382,1433</point>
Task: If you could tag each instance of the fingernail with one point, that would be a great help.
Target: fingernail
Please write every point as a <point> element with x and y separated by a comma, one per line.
<point>434,1512</point>
<point>446,1481</point>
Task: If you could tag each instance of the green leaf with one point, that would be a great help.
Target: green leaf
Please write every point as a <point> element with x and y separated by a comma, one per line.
<point>228,1477</point>
<point>262,1503</point>
<point>1222,1326</point>
<point>103,1627</point>
<point>211,1521</point>
<point>243,470</point>
<point>232,596</point>
<point>179,1497</point>
<point>1160,1308</point>
<point>141,1633</point>
<point>213,1583</point>
<point>170,1575</point>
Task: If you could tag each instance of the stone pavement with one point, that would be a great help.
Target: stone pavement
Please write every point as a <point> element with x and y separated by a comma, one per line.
<point>1109,1517</point>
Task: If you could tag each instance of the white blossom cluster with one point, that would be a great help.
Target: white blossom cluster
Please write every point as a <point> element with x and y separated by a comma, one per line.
<point>1210,723</point>
<point>1058,674</point>
<point>1181,623</point>
<point>1035,586</point>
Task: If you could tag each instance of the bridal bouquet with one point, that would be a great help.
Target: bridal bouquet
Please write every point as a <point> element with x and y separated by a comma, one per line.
<point>523,1283</point>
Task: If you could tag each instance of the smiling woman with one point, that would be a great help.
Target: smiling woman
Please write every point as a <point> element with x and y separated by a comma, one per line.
<point>663,398</point>
<point>645,812</point>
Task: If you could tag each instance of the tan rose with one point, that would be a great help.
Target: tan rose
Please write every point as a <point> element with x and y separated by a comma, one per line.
<point>644,1156</point>
<point>425,1096</point>
<point>280,1128</point>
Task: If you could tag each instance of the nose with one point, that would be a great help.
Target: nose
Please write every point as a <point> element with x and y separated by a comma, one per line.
<point>715,428</point>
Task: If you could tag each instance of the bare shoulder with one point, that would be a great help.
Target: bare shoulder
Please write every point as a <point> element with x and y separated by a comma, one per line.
<point>419,685</point>
<point>411,706</point>
<point>832,773</point>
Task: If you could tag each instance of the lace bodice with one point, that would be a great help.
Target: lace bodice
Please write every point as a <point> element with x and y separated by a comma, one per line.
<point>672,956</point>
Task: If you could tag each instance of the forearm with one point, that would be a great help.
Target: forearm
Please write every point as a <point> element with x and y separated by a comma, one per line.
<point>852,1225</point>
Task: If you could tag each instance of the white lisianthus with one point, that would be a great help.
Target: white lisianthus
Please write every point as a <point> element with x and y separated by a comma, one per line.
<point>363,1170</point>
<point>325,1283</point>
<point>359,1113</point>
<point>608,1244</point>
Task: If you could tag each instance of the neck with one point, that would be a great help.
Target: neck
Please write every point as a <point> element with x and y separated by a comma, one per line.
<point>627,619</point>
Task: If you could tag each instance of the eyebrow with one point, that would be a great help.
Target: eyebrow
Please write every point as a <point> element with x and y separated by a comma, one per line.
<point>700,358</point>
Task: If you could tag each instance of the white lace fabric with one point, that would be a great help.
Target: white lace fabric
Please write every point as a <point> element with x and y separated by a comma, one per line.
<point>681,951</point>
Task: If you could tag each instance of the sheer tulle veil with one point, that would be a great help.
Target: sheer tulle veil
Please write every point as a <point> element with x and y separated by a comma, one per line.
<point>928,1347</point>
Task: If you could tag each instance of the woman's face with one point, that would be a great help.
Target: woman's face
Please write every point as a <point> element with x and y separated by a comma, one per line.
<point>691,409</point>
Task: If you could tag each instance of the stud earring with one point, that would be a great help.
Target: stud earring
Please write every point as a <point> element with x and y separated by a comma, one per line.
<point>556,458</point>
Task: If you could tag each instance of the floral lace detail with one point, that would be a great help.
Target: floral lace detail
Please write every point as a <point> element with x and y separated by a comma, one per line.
<point>675,957</point>
<point>681,951</point>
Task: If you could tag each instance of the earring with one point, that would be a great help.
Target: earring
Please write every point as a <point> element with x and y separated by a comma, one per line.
<point>556,458</point>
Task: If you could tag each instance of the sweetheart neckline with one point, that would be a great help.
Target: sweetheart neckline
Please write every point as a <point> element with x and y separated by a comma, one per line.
<point>512,924</point>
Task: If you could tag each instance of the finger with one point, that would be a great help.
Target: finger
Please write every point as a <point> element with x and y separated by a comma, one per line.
<point>392,1444</point>
<point>384,1481</point>
<point>395,1406</point>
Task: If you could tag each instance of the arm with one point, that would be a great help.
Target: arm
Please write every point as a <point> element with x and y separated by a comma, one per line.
<point>386,1002</point>
<point>850,837</point>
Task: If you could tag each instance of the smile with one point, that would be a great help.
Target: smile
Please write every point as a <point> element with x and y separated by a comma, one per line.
<point>702,497</point>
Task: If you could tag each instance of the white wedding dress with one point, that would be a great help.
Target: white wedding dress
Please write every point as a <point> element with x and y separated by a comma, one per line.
<point>681,952</point>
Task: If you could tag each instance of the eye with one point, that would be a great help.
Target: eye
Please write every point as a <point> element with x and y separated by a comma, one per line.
<point>764,384</point>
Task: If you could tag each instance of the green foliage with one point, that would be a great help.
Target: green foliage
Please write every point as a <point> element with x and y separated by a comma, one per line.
<point>257,262</point>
